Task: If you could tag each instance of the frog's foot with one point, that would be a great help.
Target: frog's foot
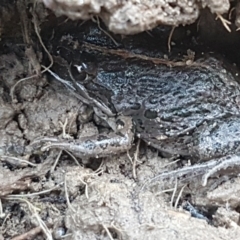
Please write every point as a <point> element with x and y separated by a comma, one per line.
<point>231,161</point>
<point>101,145</point>
<point>206,169</point>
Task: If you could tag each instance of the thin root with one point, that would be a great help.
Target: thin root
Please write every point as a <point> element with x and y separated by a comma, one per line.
<point>17,161</point>
<point>179,196</point>
<point>135,159</point>
<point>56,161</point>
<point>224,21</point>
<point>2,214</point>
<point>67,197</point>
<point>73,157</point>
<point>174,193</point>
<point>29,235</point>
<point>230,12</point>
<point>34,210</point>
<point>35,193</point>
<point>170,38</point>
<point>65,135</point>
<point>108,232</point>
<point>36,28</point>
<point>98,23</point>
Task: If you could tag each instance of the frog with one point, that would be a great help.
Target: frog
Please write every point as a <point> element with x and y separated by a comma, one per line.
<point>187,107</point>
<point>192,111</point>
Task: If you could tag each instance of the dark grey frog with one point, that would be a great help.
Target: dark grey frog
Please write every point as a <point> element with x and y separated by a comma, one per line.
<point>192,111</point>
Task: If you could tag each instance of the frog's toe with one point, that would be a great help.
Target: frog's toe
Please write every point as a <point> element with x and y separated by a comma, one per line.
<point>39,142</point>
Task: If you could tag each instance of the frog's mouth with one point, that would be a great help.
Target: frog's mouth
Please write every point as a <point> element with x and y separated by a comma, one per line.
<point>88,94</point>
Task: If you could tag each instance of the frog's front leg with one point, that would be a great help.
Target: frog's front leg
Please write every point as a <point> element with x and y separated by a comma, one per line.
<point>101,145</point>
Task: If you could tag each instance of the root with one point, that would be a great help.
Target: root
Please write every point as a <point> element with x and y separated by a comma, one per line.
<point>170,38</point>
<point>224,21</point>
<point>30,234</point>
<point>179,196</point>
<point>34,210</point>
<point>35,193</point>
<point>17,161</point>
<point>108,232</point>
<point>134,160</point>
<point>105,32</point>
<point>173,194</point>
<point>56,161</point>
<point>67,197</point>
<point>30,53</point>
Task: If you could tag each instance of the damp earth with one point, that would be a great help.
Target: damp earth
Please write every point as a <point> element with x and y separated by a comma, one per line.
<point>52,193</point>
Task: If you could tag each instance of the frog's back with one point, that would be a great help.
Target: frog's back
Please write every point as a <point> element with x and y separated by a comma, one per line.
<point>175,98</point>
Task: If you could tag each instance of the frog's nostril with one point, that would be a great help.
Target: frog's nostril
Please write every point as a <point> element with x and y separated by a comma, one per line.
<point>150,114</point>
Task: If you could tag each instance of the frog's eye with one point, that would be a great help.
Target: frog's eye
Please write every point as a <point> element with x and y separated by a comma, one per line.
<point>79,68</point>
<point>77,72</point>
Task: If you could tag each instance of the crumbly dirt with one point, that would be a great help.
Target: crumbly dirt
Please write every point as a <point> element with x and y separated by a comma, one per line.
<point>96,198</point>
<point>129,17</point>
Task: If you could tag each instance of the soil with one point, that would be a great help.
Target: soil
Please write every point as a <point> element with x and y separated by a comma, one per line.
<point>53,195</point>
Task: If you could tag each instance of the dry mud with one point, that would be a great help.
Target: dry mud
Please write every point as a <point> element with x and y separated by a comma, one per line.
<point>96,198</point>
